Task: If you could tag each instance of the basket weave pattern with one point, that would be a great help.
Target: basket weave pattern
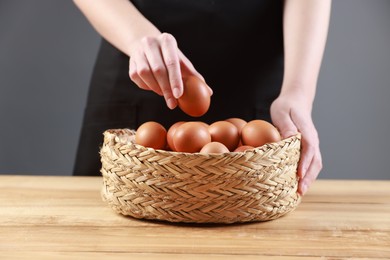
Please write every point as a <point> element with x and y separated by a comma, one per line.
<point>255,185</point>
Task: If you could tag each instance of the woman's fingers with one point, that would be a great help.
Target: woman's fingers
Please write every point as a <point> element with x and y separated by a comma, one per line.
<point>290,116</point>
<point>310,163</point>
<point>153,52</point>
<point>281,118</point>
<point>188,69</point>
<point>135,77</point>
<point>311,173</point>
<point>158,65</point>
<point>171,60</point>
<point>145,73</point>
<point>309,141</point>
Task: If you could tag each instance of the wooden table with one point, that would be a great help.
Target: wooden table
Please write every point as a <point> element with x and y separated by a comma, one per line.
<point>63,217</point>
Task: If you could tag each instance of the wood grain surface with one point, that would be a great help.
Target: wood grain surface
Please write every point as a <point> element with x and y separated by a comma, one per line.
<point>47,217</point>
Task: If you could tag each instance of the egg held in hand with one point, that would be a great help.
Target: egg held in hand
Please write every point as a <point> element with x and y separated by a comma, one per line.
<point>259,132</point>
<point>195,100</point>
<point>151,134</point>
<point>190,137</point>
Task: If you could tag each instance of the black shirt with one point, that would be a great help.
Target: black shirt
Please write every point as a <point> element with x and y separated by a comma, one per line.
<point>237,46</point>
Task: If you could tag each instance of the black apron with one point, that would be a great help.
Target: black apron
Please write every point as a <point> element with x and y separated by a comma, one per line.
<point>237,46</point>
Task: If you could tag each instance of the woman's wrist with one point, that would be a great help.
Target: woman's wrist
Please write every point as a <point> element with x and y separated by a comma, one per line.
<point>299,92</point>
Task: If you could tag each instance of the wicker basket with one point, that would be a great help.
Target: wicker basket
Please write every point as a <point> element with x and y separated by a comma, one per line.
<point>255,185</point>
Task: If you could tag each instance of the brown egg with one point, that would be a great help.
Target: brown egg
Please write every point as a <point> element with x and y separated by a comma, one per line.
<point>151,134</point>
<point>214,147</point>
<point>203,123</point>
<point>243,148</point>
<point>259,132</point>
<point>226,133</point>
<point>171,132</point>
<point>238,122</point>
<point>195,100</point>
<point>190,137</point>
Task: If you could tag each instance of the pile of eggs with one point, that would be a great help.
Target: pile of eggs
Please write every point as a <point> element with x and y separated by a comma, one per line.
<point>230,135</point>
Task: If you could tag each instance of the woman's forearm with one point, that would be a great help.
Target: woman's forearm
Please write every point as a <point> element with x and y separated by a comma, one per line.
<point>118,21</point>
<point>305,31</point>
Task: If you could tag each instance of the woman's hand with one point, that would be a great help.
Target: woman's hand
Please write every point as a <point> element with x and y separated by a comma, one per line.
<point>305,28</point>
<point>158,65</point>
<point>291,113</point>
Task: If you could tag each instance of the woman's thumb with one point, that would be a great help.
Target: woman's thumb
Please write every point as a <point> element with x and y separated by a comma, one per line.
<point>286,127</point>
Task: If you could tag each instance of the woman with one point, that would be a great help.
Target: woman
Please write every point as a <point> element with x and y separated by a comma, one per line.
<point>260,58</point>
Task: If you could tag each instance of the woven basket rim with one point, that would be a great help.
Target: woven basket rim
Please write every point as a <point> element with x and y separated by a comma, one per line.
<point>258,184</point>
<point>131,132</point>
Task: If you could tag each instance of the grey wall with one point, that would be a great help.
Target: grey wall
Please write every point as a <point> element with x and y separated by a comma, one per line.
<point>352,110</point>
<point>47,51</point>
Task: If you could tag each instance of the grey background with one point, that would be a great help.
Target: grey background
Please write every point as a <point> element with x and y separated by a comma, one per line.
<point>47,52</point>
